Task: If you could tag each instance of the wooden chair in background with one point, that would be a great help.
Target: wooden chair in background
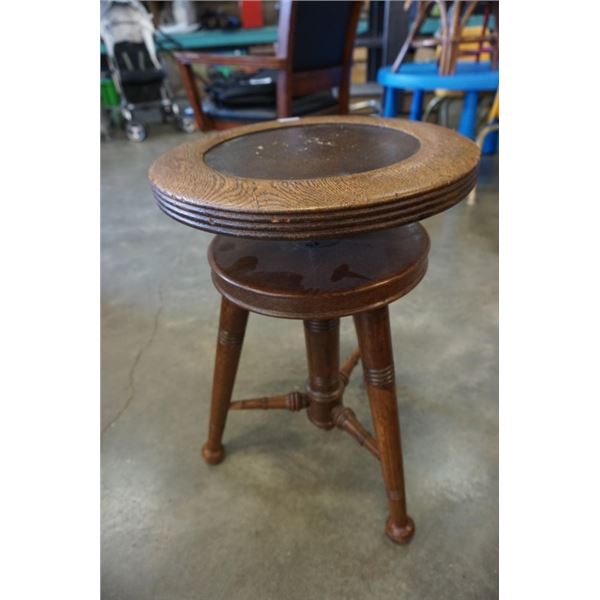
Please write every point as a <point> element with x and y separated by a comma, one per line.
<point>454,39</point>
<point>313,55</point>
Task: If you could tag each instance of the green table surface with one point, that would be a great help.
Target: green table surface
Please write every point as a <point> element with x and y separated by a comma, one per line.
<point>220,38</point>
<point>242,38</point>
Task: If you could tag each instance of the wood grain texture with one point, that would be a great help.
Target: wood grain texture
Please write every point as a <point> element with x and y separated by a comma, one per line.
<point>320,280</point>
<point>438,175</point>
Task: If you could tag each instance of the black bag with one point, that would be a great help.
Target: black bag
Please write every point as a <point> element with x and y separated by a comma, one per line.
<point>244,89</point>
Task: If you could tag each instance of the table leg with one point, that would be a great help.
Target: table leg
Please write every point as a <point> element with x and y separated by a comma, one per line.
<point>232,327</point>
<point>490,142</point>
<point>374,338</point>
<point>416,106</point>
<point>468,118</point>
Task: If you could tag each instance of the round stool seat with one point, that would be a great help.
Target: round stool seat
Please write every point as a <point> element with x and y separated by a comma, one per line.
<point>320,279</point>
<point>315,178</point>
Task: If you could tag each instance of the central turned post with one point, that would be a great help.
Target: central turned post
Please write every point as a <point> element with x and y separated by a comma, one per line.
<point>324,387</point>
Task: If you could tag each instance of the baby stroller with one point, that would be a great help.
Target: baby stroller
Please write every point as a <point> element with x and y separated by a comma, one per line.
<point>128,33</point>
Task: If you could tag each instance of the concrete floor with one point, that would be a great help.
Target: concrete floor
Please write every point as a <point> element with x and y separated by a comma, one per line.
<point>293,512</point>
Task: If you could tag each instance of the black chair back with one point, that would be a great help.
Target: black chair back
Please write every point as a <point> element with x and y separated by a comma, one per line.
<point>320,33</point>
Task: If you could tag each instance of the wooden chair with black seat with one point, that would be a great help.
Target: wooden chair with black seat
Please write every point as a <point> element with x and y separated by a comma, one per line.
<point>313,55</point>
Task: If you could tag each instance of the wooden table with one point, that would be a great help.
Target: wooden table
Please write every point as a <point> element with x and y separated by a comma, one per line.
<point>317,219</point>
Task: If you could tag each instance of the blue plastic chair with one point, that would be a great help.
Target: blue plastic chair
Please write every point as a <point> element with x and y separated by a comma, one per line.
<point>470,77</point>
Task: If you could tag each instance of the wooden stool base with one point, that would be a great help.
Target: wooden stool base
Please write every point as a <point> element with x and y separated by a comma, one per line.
<point>323,401</point>
<point>319,284</point>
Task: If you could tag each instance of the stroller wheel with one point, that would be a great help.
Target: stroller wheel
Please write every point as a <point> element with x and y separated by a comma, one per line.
<point>135,131</point>
<point>186,123</point>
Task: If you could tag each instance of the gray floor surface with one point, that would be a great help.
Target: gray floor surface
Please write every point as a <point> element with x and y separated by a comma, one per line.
<point>293,512</point>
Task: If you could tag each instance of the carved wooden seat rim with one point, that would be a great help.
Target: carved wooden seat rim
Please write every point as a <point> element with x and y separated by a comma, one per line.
<point>440,173</point>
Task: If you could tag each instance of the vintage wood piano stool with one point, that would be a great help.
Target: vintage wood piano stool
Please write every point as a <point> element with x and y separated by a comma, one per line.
<point>317,219</point>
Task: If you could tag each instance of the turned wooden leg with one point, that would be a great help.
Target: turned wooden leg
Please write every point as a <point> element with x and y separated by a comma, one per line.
<point>324,388</point>
<point>374,338</point>
<point>232,326</point>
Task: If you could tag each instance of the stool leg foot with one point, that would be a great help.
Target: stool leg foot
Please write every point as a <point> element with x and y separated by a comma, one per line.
<point>400,535</point>
<point>374,338</point>
<point>232,327</point>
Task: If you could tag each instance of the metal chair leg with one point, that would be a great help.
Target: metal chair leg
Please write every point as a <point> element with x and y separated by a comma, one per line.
<point>485,131</point>
<point>434,103</point>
